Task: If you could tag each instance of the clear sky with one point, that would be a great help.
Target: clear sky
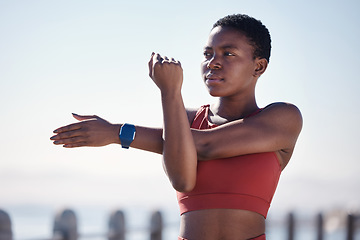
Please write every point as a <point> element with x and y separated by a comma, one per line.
<point>90,57</point>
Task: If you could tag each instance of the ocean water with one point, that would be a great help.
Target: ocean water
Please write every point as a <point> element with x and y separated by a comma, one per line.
<point>36,223</point>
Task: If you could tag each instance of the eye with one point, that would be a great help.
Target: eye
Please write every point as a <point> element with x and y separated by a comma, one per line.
<point>207,54</point>
<point>228,54</point>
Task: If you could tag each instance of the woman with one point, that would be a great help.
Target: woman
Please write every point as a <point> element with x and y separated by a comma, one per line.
<point>223,160</point>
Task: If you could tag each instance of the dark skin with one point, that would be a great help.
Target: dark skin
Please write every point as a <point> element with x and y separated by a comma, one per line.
<point>230,72</point>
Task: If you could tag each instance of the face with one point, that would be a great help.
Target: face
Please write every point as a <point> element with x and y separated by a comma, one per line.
<point>228,68</point>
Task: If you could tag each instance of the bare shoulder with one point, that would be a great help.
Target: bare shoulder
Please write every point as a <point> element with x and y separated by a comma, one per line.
<point>283,110</point>
<point>286,120</point>
<point>285,114</point>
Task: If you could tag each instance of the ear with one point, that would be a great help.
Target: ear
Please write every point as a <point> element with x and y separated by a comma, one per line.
<point>261,65</point>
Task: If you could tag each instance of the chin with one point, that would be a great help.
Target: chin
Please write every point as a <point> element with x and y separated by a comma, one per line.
<point>214,94</point>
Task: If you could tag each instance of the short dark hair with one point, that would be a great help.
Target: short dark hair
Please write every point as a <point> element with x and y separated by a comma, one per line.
<point>254,30</point>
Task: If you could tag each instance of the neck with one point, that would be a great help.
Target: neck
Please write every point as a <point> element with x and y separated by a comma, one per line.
<point>232,109</point>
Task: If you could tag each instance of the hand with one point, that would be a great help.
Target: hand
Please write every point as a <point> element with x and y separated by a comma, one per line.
<point>91,131</point>
<point>167,74</point>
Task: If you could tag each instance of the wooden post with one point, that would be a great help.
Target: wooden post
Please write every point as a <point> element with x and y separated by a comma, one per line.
<point>116,226</point>
<point>5,226</point>
<point>291,226</point>
<point>350,227</point>
<point>156,226</point>
<point>320,227</point>
<point>65,225</point>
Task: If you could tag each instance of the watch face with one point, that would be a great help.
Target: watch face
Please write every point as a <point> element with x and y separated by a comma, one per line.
<point>127,135</point>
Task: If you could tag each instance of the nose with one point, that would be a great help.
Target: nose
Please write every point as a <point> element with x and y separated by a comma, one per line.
<point>214,63</point>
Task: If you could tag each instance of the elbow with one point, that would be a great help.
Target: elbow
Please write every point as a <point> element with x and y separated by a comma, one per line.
<point>183,186</point>
<point>181,170</point>
<point>183,182</point>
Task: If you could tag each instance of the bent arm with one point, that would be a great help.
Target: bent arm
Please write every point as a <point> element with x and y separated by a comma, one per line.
<point>179,152</point>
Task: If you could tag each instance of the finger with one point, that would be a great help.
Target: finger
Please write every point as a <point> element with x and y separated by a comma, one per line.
<point>85,117</point>
<point>66,135</point>
<point>167,60</point>
<point>157,63</point>
<point>159,58</point>
<point>70,141</point>
<point>74,145</point>
<point>150,64</point>
<point>70,127</point>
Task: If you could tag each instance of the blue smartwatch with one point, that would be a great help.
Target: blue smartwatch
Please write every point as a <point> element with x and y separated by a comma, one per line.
<point>127,135</point>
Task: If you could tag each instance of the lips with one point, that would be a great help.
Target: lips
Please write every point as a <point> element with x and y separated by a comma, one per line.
<point>213,79</point>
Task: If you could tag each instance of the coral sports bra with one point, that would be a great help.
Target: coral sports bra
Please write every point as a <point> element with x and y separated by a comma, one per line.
<point>245,182</point>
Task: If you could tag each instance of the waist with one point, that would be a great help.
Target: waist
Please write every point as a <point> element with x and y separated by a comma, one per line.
<point>223,201</point>
<point>227,224</point>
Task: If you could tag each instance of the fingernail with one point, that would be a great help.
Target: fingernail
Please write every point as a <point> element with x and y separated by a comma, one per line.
<point>52,138</point>
<point>55,131</point>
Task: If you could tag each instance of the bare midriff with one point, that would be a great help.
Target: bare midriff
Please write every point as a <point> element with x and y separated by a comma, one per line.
<point>225,224</point>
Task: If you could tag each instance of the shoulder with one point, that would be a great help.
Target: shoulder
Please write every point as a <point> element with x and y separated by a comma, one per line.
<point>286,113</point>
<point>283,107</point>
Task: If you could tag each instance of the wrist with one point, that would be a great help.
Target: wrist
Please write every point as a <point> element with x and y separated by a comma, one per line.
<point>116,138</point>
<point>170,93</point>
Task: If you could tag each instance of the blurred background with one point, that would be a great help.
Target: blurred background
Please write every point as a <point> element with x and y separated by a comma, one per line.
<point>90,57</point>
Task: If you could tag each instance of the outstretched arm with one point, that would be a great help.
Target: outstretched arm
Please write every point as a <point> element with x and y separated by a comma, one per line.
<point>275,129</point>
<point>94,131</point>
